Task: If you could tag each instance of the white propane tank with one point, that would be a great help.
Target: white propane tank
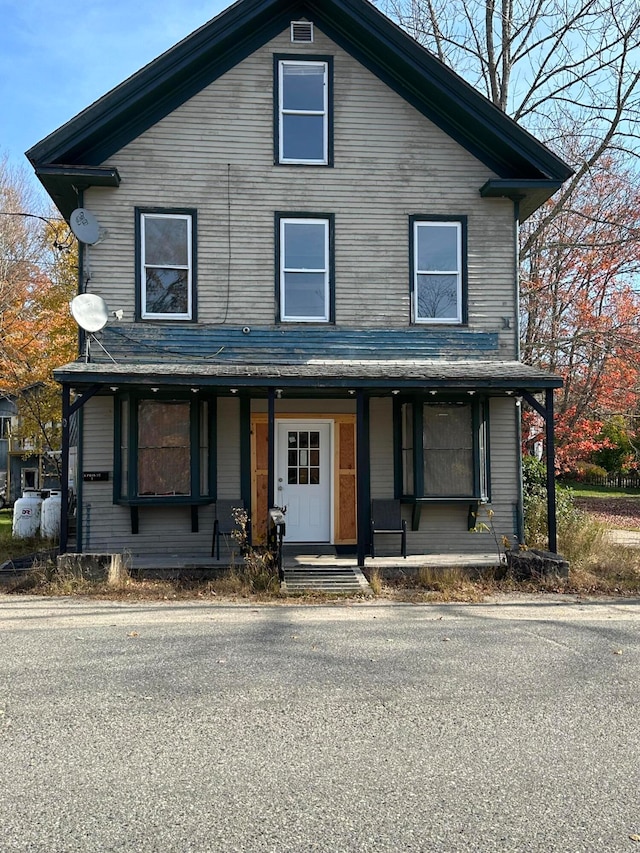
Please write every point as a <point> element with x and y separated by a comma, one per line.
<point>50,522</point>
<point>26,515</point>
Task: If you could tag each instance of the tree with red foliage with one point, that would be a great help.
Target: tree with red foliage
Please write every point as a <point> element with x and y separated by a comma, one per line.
<point>580,311</point>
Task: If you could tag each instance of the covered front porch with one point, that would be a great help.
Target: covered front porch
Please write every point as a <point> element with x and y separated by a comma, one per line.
<point>264,428</point>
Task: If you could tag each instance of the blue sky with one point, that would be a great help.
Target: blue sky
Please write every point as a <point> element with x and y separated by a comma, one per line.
<point>58,56</point>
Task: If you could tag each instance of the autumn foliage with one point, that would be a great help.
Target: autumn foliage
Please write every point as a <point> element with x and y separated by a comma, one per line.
<point>580,310</point>
<point>37,280</point>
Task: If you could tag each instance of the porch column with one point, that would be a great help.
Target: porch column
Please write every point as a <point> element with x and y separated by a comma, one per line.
<point>363,481</point>
<point>551,473</point>
<point>64,469</point>
<point>546,412</point>
<point>271,447</point>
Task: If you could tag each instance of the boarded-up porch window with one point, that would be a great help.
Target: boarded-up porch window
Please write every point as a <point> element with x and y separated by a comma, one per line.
<point>448,450</point>
<point>164,459</point>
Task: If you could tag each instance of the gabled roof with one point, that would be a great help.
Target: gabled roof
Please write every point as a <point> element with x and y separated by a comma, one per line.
<point>359,28</point>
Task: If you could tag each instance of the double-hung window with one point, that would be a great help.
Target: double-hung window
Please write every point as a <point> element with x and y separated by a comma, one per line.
<point>166,275</point>
<point>303,132</point>
<point>438,261</point>
<point>305,272</point>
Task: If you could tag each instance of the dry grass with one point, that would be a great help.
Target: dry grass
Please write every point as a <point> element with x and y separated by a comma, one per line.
<point>597,567</point>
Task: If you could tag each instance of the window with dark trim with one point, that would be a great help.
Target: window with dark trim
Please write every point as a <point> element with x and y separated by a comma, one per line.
<point>441,449</point>
<point>305,269</point>
<point>438,269</point>
<point>165,274</point>
<point>165,449</point>
<point>303,106</point>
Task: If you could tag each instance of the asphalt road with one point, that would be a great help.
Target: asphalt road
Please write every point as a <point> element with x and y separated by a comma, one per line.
<point>195,727</point>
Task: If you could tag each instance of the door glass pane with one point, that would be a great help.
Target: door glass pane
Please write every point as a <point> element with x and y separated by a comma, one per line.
<point>302,463</point>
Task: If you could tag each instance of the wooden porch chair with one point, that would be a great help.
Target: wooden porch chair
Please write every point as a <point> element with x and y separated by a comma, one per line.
<point>224,523</point>
<point>386,517</point>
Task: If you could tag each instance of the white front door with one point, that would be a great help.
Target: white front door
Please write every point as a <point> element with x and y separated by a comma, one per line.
<point>303,479</point>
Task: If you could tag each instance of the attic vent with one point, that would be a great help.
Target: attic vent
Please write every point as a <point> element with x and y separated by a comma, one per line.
<point>301,31</point>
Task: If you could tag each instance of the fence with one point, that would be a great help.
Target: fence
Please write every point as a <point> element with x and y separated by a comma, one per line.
<point>615,481</point>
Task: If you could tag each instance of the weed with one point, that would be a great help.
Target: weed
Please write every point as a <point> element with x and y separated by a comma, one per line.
<point>489,527</point>
<point>375,581</point>
<point>259,570</point>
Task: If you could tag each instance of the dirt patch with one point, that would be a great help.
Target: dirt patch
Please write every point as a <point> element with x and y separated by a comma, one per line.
<point>623,513</point>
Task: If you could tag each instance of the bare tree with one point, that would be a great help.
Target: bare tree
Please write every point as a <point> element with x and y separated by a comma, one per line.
<point>569,72</point>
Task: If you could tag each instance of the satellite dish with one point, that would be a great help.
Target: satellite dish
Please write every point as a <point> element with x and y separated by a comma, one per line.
<point>85,226</point>
<point>90,312</point>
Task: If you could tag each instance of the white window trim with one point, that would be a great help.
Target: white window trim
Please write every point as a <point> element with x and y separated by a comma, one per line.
<point>457,272</point>
<point>324,112</point>
<point>305,221</point>
<point>148,315</point>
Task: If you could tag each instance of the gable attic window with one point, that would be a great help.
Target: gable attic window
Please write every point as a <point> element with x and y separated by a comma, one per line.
<point>166,265</point>
<point>303,125</point>
<point>301,31</point>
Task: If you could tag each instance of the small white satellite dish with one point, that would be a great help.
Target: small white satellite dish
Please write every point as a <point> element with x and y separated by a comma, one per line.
<point>85,226</point>
<point>89,311</point>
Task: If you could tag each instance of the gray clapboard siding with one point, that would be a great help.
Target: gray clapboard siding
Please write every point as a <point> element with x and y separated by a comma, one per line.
<point>381,439</point>
<point>228,430</point>
<point>215,153</point>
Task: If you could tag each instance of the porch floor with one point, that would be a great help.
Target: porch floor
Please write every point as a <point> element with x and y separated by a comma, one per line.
<point>306,569</point>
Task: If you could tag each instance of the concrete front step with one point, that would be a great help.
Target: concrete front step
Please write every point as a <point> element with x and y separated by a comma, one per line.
<point>308,579</point>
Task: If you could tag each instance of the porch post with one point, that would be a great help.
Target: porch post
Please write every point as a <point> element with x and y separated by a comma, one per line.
<point>271,434</point>
<point>64,469</point>
<point>551,472</point>
<point>363,481</point>
<point>245,453</point>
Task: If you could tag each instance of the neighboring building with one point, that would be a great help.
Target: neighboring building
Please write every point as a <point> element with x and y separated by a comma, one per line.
<point>22,464</point>
<point>311,226</point>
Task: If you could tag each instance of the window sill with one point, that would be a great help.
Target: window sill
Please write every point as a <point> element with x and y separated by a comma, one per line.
<point>419,503</point>
<point>134,505</point>
<point>162,500</point>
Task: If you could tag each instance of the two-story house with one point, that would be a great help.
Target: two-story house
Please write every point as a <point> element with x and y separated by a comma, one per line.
<point>311,226</point>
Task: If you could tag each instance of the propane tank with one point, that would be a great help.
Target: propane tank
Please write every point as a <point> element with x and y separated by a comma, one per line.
<point>50,521</point>
<point>26,515</point>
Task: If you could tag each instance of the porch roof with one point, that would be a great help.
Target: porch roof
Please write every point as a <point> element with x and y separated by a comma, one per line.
<point>318,373</point>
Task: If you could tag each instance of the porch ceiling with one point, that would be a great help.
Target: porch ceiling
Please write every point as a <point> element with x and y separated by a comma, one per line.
<point>367,374</point>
